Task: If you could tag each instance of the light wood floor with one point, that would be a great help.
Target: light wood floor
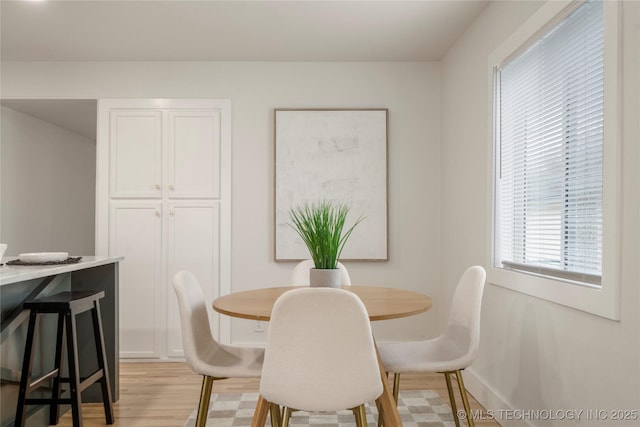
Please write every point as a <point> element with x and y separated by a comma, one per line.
<point>165,394</point>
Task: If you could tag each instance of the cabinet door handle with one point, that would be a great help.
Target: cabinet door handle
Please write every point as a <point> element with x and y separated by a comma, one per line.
<point>157,186</point>
<point>171,187</point>
<point>170,211</point>
<point>157,213</point>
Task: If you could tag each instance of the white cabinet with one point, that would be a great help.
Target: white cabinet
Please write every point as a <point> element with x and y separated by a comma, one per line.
<point>135,232</point>
<point>193,236</point>
<point>163,202</point>
<point>188,141</point>
<point>135,148</point>
<point>194,154</point>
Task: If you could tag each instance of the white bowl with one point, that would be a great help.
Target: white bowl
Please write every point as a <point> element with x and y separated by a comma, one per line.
<point>3,248</point>
<point>38,257</point>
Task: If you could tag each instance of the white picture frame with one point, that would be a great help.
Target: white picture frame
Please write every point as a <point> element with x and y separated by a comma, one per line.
<point>338,155</point>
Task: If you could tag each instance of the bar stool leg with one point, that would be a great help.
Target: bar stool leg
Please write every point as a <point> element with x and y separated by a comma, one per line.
<point>54,412</point>
<point>74,372</point>
<point>102,362</point>
<point>27,364</point>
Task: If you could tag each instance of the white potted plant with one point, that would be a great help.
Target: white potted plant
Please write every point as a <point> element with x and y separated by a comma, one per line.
<point>320,225</point>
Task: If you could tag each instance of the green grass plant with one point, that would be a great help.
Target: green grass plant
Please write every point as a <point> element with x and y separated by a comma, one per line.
<point>320,225</point>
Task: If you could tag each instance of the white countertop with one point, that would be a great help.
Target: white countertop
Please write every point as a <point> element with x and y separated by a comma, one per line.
<point>19,273</point>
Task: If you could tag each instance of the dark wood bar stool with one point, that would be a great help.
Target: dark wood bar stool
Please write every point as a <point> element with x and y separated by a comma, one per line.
<point>66,305</point>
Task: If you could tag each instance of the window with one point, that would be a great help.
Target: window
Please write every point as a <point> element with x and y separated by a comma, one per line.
<point>550,139</point>
<point>550,133</point>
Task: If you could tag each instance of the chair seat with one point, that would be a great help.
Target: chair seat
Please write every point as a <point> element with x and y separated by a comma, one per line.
<point>77,302</point>
<point>436,355</point>
<point>223,361</point>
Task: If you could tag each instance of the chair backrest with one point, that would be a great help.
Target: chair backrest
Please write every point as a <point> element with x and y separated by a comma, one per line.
<point>463,327</point>
<point>320,353</point>
<point>197,338</point>
<point>300,275</point>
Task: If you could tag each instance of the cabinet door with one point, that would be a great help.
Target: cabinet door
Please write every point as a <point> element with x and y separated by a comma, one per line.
<point>193,244</point>
<point>194,154</point>
<point>135,233</point>
<point>135,145</point>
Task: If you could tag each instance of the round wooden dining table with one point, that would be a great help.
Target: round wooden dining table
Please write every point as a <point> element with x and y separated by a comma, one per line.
<point>382,304</point>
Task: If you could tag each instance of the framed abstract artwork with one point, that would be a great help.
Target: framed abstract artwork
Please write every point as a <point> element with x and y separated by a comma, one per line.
<point>337,155</point>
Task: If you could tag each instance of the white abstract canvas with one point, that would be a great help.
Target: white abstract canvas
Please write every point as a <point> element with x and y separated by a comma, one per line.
<point>338,155</point>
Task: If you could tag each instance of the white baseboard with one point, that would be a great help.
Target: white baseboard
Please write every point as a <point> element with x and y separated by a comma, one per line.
<point>496,406</point>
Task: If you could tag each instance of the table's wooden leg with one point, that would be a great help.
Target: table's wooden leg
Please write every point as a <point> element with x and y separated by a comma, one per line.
<point>260,415</point>
<point>385,403</point>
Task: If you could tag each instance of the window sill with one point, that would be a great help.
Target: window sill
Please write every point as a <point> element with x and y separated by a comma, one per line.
<point>599,300</point>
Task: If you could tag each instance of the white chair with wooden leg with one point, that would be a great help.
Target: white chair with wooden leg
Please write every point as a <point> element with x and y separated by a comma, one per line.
<point>204,355</point>
<point>300,275</point>
<point>320,355</point>
<point>452,351</point>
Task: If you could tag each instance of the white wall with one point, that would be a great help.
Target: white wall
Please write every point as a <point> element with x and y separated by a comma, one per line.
<point>411,92</point>
<point>534,354</point>
<point>47,185</point>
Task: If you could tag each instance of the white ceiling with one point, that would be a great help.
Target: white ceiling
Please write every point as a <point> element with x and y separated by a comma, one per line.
<point>216,30</point>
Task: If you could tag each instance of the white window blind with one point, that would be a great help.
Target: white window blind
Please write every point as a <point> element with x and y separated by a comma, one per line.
<point>549,122</point>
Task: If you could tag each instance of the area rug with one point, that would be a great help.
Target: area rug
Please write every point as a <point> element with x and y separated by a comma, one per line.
<point>422,408</point>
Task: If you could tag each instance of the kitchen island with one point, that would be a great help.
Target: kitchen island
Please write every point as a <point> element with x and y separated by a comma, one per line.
<point>20,283</point>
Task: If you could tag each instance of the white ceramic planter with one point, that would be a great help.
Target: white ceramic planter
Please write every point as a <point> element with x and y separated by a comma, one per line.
<point>327,278</point>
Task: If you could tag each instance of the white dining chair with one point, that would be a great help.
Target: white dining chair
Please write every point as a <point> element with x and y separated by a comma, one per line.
<point>204,355</point>
<point>320,355</point>
<point>452,351</point>
<point>300,275</point>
